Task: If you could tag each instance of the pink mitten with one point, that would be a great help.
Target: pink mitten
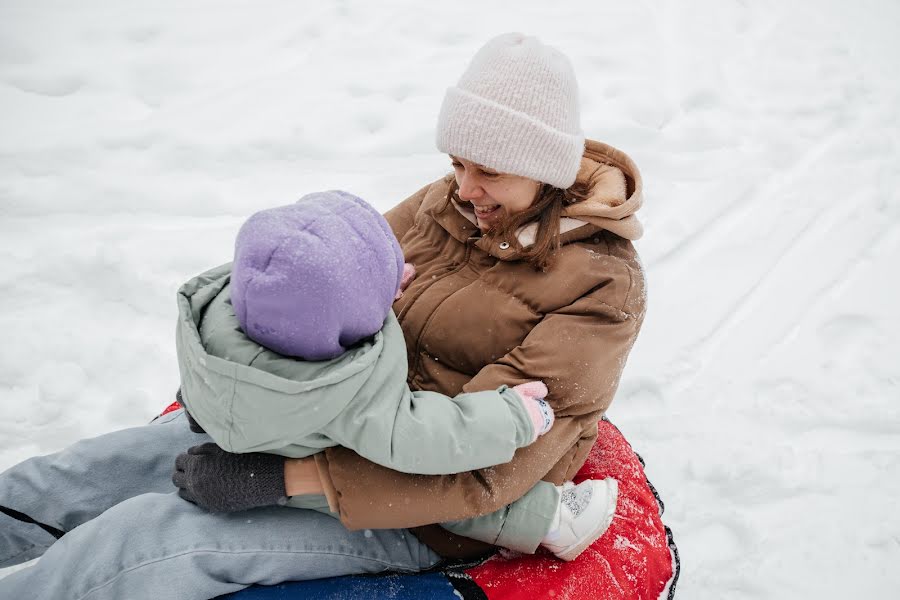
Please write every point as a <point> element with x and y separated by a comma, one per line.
<point>409,272</point>
<point>532,395</point>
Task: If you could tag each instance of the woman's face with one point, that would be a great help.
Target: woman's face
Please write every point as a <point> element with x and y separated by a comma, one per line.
<point>493,195</point>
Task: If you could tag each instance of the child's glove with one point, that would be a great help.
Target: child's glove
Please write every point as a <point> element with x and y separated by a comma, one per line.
<point>220,481</point>
<point>532,395</point>
<point>409,272</point>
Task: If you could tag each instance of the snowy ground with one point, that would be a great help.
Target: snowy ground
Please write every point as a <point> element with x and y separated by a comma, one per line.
<point>763,393</point>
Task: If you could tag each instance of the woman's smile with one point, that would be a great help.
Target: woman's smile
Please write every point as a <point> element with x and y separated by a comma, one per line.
<point>486,211</point>
<point>492,195</point>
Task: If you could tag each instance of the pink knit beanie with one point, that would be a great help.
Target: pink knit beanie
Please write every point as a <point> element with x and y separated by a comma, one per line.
<point>515,110</point>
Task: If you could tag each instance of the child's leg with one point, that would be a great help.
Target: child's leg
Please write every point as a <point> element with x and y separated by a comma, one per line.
<point>585,512</point>
<point>64,490</point>
<point>521,526</point>
<point>564,519</point>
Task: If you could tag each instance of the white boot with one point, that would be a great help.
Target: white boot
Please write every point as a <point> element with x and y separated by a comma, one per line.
<point>585,511</point>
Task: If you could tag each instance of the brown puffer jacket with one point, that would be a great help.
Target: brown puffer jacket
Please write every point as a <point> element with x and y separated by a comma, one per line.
<point>475,318</point>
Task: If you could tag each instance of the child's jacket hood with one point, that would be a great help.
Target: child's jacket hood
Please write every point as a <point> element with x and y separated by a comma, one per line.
<point>258,391</point>
<point>251,399</point>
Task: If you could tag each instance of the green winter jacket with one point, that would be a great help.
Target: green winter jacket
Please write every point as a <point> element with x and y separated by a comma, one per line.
<point>250,399</point>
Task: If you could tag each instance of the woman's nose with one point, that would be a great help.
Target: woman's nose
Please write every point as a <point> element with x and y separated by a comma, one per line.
<point>469,188</point>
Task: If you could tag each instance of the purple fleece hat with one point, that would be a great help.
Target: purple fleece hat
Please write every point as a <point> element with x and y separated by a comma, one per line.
<point>313,278</point>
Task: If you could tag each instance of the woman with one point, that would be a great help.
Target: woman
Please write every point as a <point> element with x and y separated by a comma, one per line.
<point>525,272</point>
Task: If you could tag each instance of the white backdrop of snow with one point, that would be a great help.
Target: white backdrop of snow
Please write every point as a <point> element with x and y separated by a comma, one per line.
<point>764,389</point>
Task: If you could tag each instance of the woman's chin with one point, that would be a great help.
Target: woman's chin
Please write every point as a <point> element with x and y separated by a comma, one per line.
<point>486,225</point>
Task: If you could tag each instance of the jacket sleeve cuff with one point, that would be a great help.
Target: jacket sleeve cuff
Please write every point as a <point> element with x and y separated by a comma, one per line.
<point>331,493</point>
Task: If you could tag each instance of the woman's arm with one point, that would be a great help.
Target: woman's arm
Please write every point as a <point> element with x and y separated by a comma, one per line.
<point>367,495</point>
<point>402,217</point>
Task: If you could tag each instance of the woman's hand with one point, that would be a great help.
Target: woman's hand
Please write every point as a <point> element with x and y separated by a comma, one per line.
<point>220,481</point>
<point>301,477</point>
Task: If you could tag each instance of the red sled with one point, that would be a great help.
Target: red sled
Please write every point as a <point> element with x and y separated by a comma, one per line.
<point>636,558</point>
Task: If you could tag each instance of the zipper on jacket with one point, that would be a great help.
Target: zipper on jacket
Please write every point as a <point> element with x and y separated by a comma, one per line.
<point>436,278</point>
<point>418,347</point>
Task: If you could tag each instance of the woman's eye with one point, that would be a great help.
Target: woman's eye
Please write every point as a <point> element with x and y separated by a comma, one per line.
<point>456,165</point>
<point>490,175</point>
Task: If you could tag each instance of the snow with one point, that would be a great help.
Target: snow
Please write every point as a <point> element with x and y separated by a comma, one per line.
<point>763,389</point>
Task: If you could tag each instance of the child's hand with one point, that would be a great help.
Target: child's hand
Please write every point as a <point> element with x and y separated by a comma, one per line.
<point>409,273</point>
<point>536,390</point>
<point>532,395</point>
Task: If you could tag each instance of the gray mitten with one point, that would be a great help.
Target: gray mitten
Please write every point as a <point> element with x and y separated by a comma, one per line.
<point>221,481</point>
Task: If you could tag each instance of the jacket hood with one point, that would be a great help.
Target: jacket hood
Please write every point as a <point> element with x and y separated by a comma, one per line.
<point>615,195</point>
<point>616,191</point>
<point>242,392</point>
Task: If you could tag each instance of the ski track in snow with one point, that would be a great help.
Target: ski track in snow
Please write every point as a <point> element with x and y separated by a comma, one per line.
<point>763,389</point>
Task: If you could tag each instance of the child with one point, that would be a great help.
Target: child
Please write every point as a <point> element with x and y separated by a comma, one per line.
<point>294,348</point>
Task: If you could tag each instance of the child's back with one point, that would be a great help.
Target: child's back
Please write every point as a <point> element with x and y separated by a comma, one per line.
<point>295,348</point>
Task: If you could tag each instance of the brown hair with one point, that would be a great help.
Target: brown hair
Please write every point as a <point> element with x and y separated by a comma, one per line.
<point>546,211</point>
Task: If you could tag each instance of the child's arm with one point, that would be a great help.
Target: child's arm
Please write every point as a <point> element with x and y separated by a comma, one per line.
<point>430,433</point>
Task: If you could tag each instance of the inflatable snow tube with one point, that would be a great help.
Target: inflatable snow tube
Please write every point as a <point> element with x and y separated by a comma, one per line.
<point>635,559</point>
